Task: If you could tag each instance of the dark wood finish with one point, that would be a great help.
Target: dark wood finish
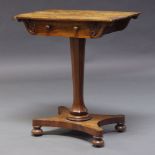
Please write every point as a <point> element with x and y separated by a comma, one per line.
<point>79,110</point>
<point>66,29</point>
<point>77,25</point>
<point>73,28</point>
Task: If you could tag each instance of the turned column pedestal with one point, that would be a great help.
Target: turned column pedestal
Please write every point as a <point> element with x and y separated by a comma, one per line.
<point>78,111</point>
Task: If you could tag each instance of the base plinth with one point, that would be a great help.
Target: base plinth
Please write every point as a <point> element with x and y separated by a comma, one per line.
<point>91,126</point>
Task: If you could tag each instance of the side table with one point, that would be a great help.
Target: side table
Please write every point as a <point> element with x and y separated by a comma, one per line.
<point>77,25</point>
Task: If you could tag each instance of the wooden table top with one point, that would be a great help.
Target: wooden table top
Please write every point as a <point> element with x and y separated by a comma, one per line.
<point>78,15</point>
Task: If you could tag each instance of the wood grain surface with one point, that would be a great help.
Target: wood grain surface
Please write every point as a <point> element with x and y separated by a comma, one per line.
<point>78,15</point>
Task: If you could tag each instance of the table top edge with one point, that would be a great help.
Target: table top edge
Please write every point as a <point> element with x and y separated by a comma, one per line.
<point>22,17</point>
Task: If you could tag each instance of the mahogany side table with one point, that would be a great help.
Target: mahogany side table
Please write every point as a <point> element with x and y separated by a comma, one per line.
<point>77,25</point>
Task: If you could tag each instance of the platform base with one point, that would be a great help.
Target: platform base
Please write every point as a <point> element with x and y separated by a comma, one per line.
<point>91,127</point>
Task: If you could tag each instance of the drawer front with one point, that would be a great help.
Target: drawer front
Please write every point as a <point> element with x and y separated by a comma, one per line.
<point>65,29</point>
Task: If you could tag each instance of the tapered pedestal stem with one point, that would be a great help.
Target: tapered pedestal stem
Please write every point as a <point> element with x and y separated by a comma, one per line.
<point>78,111</point>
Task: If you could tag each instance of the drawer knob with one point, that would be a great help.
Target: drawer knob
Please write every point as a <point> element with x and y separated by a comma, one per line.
<point>93,33</point>
<point>31,27</point>
<point>48,27</point>
<point>76,28</point>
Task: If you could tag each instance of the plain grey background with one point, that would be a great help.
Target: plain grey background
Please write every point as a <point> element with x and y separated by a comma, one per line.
<point>35,77</point>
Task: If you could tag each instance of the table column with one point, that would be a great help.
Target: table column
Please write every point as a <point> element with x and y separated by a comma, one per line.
<point>78,111</point>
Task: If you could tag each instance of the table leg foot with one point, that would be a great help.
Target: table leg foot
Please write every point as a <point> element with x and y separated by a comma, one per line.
<point>98,141</point>
<point>120,127</point>
<point>37,131</point>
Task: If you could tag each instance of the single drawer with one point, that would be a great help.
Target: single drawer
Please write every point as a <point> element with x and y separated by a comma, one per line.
<point>65,29</point>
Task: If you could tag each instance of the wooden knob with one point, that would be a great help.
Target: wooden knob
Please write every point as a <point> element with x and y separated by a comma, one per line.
<point>93,33</point>
<point>31,27</point>
<point>48,27</point>
<point>76,28</point>
<point>32,31</point>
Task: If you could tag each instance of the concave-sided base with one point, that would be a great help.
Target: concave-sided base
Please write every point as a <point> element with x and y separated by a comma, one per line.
<point>91,126</point>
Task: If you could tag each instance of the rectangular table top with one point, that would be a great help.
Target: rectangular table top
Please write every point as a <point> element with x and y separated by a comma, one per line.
<point>78,15</point>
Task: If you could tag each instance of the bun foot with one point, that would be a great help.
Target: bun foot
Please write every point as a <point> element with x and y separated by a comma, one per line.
<point>120,127</point>
<point>37,131</point>
<point>98,142</point>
